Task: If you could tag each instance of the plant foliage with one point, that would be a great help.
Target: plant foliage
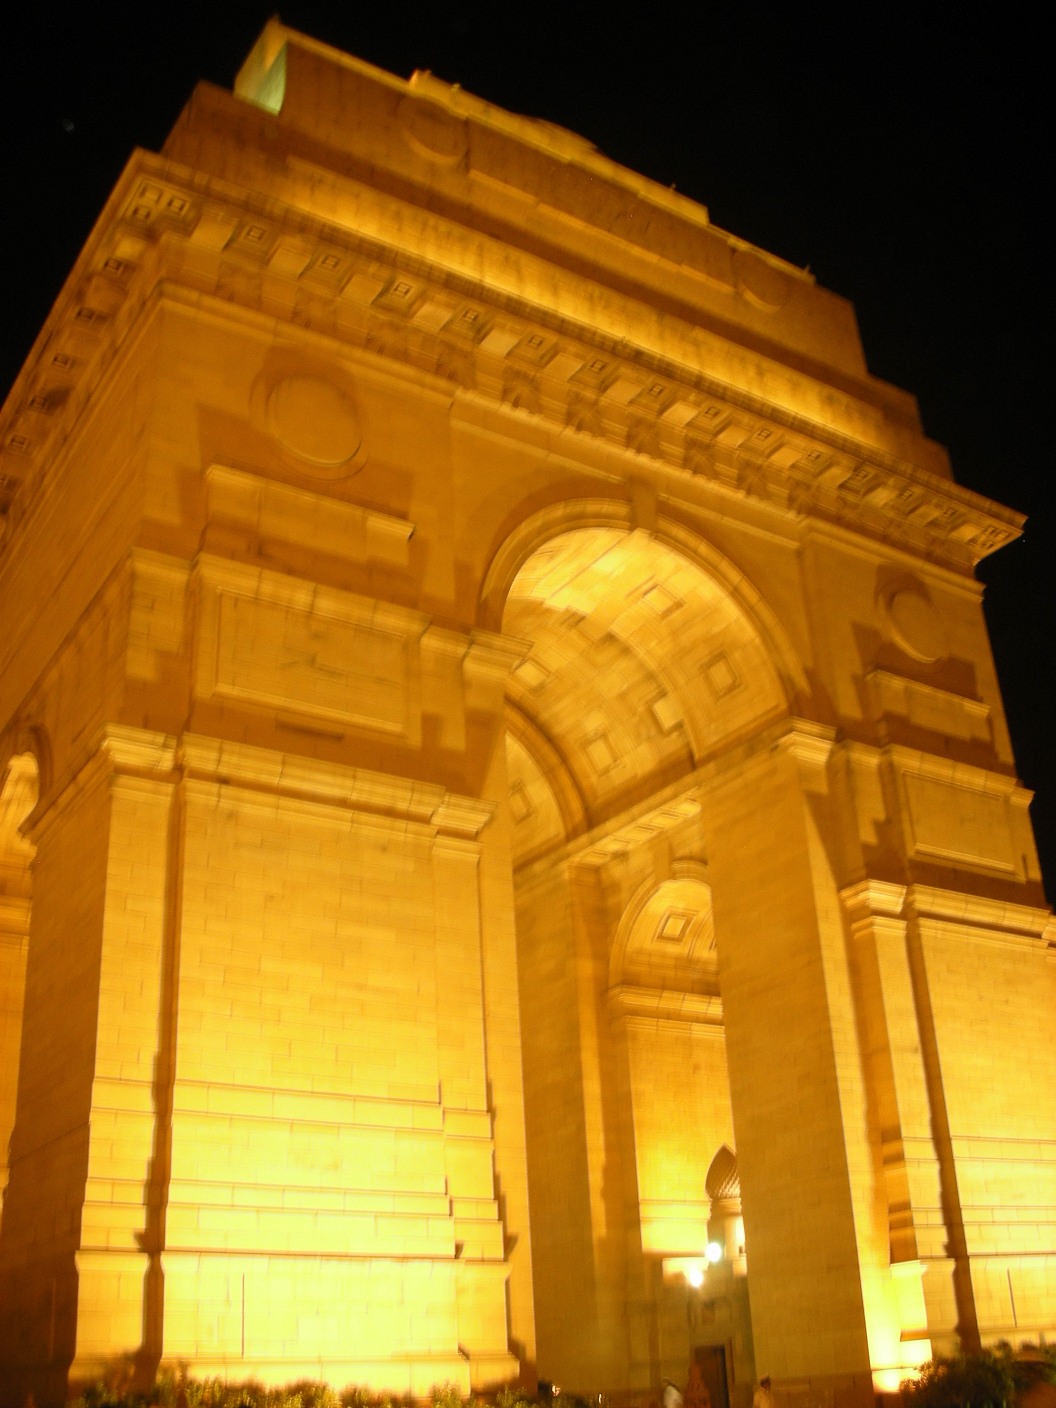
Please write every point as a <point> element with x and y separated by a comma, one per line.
<point>993,1378</point>
<point>174,1389</point>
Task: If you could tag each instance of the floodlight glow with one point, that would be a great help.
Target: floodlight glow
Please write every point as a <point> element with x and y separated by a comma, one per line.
<point>713,1251</point>
<point>891,1380</point>
<point>695,1277</point>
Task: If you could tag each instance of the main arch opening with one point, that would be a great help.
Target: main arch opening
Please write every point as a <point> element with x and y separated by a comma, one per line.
<point>640,665</point>
<point>641,669</point>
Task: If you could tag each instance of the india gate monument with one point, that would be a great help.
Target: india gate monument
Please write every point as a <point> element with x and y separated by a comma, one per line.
<point>511,860</point>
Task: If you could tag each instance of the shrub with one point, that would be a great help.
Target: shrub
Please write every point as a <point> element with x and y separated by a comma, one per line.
<point>174,1389</point>
<point>511,1397</point>
<point>963,1381</point>
<point>445,1396</point>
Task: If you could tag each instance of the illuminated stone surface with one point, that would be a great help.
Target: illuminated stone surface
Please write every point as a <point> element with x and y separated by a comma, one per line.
<point>512,719</point>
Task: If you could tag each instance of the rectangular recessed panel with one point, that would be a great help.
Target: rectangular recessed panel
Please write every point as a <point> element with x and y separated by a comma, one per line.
<point>959,824</point>
<point>720,676</point>
<point>305,662</point>
<point>660,600</point>
<point>674,926</point>
<point>532,674</point>
<point>520,803</point>
<point>600,752</point>
<point>668,712</point>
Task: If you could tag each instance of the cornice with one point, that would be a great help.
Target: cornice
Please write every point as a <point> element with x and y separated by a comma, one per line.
<point>224,763</point>
<point>166,227</point>
<point>877,900</point>
<point>128,756</point>
<point>664,1004</point>
<point>1027,921</point>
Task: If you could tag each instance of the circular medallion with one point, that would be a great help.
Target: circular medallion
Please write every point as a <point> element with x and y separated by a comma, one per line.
<point>314,420</point>
<point>760,282</point>
<point>915,625</point>
<point>432,130</point>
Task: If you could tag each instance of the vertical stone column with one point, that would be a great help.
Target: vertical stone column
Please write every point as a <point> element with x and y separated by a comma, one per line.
<point>922,1014</point>
<point>557,1124</point>
<point>74,1246</point>
<point>486,669</point>
<point>990,1077</point>
<point>597,1315</point>
<point>793,1063</point>
<point>898,1107</point>
<point>18,795</point>
<point>641,1358</point>
<point>608,1133</point>
<point>468,1115</point>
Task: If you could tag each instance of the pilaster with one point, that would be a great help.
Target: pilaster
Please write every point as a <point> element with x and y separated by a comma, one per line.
<point>78,1217</point>
<point>790,1047</point>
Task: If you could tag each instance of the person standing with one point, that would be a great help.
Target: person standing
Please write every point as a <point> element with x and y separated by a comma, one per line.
<point>697,1395</point>
<point>672,1397</point>
<point>763,1398</point>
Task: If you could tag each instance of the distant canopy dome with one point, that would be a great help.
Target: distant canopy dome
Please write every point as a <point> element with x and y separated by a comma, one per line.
<point>723,1182</point>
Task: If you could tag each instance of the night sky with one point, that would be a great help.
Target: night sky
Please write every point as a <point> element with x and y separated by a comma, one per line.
<point>904,157</point>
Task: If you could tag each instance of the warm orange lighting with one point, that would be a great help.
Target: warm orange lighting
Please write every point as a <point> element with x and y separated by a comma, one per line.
<point>889,1380</point>
<point>304,977</point>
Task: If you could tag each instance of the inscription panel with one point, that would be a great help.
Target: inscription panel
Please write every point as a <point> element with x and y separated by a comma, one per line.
<point>344,670</point>
<point>278,643</point>
<point>959,824</point>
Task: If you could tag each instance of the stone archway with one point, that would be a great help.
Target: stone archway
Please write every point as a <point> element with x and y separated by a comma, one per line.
<point>410,593</point>
<point>640,670</point>
<point>666,1012</point>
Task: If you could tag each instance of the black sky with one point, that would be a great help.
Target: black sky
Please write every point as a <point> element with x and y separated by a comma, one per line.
<point>903,153</point>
